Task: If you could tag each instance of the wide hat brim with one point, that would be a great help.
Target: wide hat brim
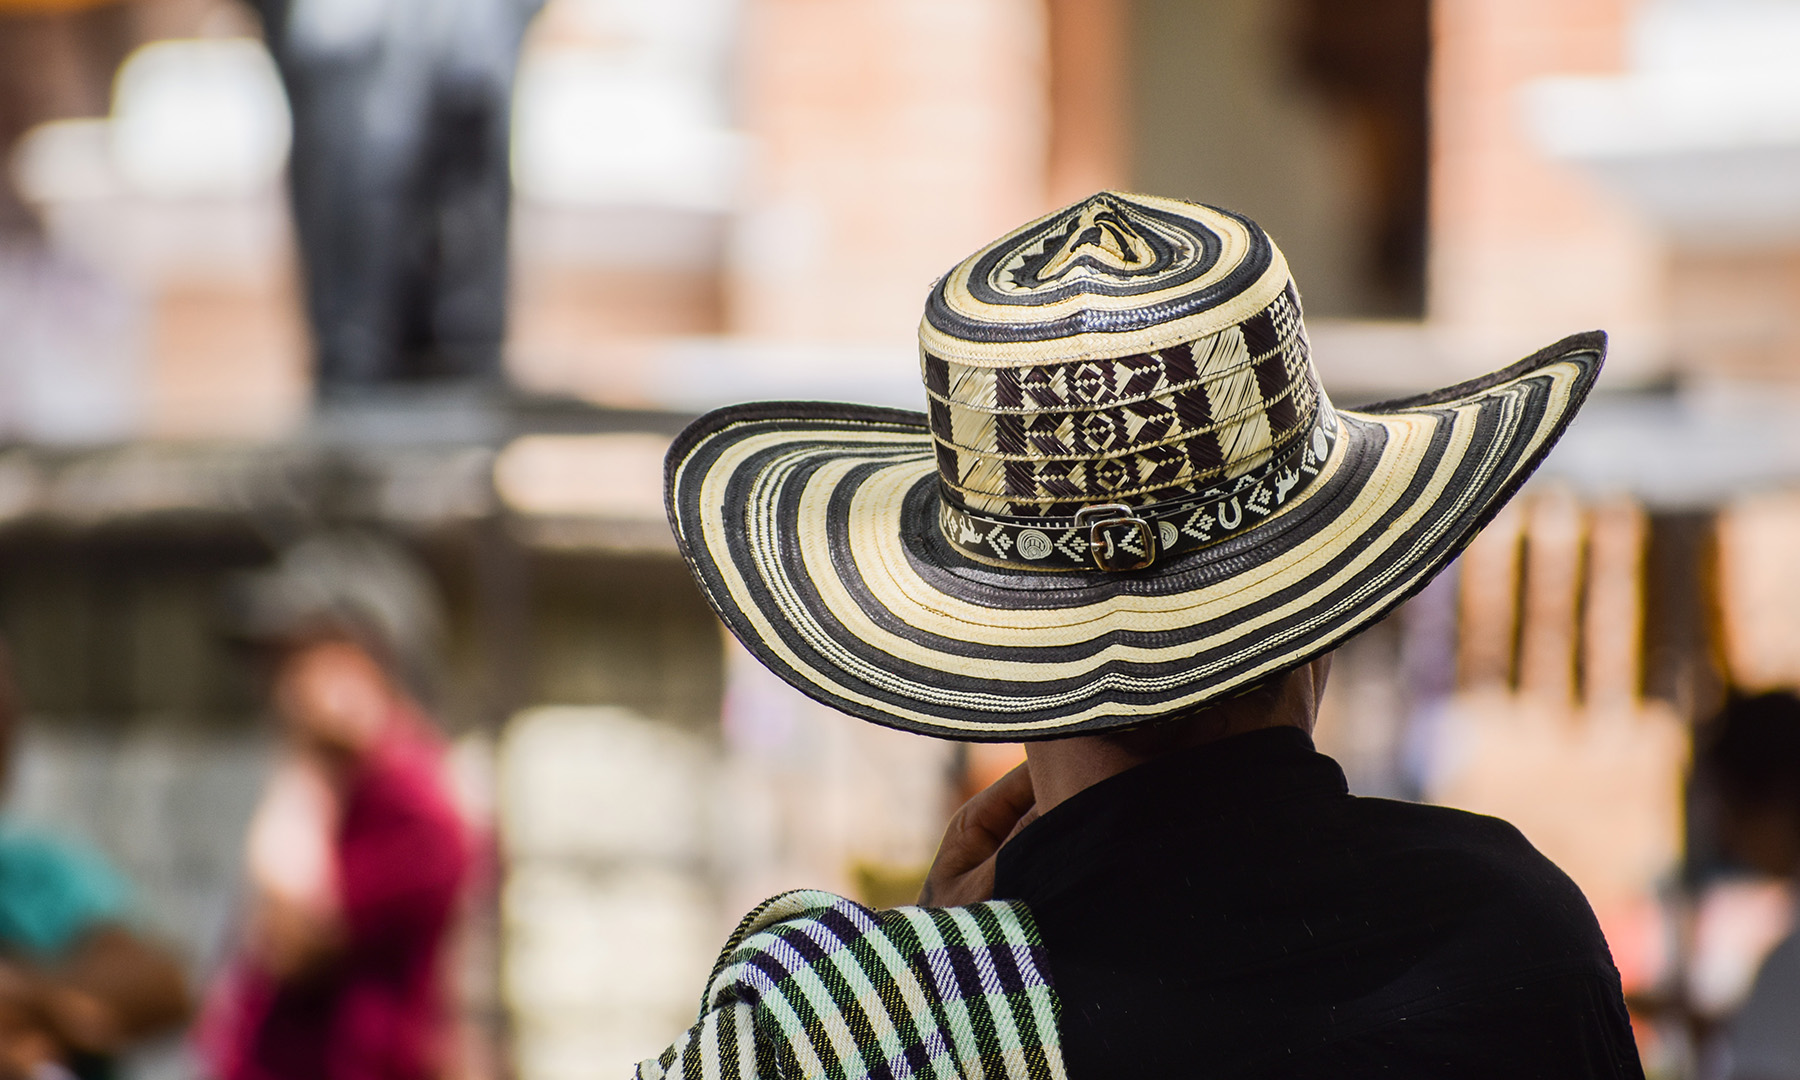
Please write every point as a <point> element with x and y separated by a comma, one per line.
<point>813,530</point>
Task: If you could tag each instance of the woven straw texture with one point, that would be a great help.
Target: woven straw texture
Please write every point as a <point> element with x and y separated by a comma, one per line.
<point>1027,427</point>
<point>919,570</point>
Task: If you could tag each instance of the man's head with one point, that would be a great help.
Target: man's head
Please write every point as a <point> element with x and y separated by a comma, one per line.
<point>1057,769</point>
<point>1291,699</point>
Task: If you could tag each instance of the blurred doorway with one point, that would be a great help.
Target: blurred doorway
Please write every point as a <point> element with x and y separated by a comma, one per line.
<point>1310,116</point>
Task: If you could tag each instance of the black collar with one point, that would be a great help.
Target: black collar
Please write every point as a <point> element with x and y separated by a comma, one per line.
<point>1137,812</point>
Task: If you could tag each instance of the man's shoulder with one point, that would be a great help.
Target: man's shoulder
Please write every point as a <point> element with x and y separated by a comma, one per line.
<point>407,781</point>
<point>1427,828</point>
<point>1477,859</point>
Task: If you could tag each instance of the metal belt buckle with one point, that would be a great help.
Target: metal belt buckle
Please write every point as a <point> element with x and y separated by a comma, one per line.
<point>1109,550</point>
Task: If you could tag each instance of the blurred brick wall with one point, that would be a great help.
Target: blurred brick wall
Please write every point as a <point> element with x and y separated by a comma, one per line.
<point>229,360</point>
<point>1525,250</point>
<point>895,136</point>
<point>1737,312</point>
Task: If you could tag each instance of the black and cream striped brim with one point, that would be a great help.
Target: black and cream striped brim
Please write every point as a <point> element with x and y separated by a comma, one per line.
<point>813,530</point>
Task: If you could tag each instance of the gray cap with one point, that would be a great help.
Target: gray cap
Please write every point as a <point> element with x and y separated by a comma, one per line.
<point>356,584</point>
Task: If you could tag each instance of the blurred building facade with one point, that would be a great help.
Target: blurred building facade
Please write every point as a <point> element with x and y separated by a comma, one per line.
<point>729,199</point>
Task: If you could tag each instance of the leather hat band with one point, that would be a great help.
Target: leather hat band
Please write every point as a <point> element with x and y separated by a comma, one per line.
<point>1115,537</point>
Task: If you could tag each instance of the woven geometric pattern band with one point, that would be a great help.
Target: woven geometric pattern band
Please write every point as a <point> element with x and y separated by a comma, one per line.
<point>1045,439</point>
<point>1137,537</point>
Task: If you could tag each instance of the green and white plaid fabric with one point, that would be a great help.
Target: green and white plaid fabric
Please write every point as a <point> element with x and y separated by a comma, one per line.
<point>812,986</point>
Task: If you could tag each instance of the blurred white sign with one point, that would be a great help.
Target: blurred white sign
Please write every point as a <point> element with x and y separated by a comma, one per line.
<point>616,476</point>
<point>590,131</point>
<point>1703,133</point>
<point>200,118</point>
<point>631,106</point>
<point>610,922</point>
<point>604,785</point>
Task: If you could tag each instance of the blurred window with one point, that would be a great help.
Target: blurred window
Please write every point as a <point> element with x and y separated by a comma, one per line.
<point>1309,116</point>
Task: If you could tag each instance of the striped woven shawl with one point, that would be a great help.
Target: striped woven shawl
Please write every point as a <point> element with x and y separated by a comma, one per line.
<point>814,986</point>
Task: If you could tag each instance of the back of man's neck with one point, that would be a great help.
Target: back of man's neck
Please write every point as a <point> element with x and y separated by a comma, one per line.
<point>1062,768</point>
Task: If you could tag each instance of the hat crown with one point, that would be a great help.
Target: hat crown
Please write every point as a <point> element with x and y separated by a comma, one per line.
<point>1127,349</point>
<point>1104,246</point>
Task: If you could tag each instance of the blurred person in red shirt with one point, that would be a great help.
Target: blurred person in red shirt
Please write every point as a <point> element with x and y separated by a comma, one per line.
<point>357,855</point>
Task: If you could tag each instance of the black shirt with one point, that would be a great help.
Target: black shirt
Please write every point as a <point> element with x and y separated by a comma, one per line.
<point>1232,911</point>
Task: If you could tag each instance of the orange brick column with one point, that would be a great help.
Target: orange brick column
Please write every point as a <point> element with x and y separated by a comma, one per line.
<point>893,137</point>
<point>1090,139</point>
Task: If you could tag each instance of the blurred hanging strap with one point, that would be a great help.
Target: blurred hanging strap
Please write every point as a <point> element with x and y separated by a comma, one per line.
<point>813,985</point>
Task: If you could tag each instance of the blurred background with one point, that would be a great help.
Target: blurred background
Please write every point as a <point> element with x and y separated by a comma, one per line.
<point>299,267</point>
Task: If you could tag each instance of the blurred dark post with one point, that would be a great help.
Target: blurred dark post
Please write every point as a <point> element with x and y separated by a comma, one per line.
<point>401,183</point>
<point>1683,661</point>
<point>1373,58</point>
<point>502,598</point>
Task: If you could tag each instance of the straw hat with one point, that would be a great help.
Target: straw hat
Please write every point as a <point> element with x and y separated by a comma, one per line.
<point>1129,495</point>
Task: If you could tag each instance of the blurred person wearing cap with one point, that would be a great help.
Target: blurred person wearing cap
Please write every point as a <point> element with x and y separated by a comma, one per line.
<point>1749,766</point>
<point>357,854</point>
<point>1129,530</point>
<point>79,982</point>
<point>401,181</point>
